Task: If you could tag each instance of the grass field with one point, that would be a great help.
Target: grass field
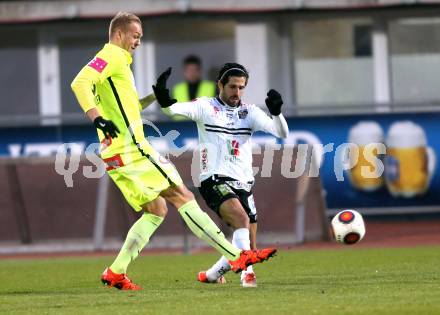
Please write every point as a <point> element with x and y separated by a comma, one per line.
<point>344,281</point>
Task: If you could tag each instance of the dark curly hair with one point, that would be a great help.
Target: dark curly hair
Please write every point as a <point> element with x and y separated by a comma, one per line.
<point>232,69</point>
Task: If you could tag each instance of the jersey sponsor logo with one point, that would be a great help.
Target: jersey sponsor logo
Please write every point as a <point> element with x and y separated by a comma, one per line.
<point>239,185</point>
<point>233,147</point>
<point>223,189</point>
<point>242,114</point>
<point>98,64</point>
<point>230,158</point>
<point>204,159</point>
<point>113,162</point>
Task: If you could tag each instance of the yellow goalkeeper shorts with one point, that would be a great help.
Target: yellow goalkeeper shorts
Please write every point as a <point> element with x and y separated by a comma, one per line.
<point>143,179</point>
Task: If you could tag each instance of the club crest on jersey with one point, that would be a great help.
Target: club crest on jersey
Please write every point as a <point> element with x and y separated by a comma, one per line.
<point>242,114</point>
<point>98,64</point>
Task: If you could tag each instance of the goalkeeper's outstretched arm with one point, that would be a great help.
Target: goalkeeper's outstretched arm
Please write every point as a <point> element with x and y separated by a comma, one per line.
<point>147,100</point>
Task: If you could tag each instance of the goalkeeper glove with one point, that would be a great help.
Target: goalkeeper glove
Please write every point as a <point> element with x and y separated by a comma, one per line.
<point>274,102</point>
<point>161,92</point>
<point>106,126</point>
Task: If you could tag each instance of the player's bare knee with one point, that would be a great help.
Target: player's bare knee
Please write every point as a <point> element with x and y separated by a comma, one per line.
<point>182,196</point>
<point>160,212</point>
<point>187,195</point>
<point>178,195</point>
<point>157,207</point>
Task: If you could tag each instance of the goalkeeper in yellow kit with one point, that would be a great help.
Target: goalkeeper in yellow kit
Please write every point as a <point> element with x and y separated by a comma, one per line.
<point>106,91</point>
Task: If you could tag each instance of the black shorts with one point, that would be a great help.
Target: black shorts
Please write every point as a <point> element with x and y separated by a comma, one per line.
<point>216,190</point>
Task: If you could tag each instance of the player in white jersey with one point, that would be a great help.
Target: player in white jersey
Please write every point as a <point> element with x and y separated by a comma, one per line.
<point>225,125</point>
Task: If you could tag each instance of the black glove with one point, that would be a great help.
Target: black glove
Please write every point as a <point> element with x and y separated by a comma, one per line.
<point>161,82</point>
<point>106,126</point>
<point>274,101</point>
<point>161,92</point>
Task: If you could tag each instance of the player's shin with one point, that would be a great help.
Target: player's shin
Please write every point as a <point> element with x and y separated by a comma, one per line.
<point>204,228</point>
<point>137,237</point>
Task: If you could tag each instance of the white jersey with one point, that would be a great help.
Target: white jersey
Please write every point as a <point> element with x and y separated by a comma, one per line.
<point>225,134</point>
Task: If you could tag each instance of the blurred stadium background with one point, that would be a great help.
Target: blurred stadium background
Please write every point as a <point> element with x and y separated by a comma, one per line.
<point>336,62</point>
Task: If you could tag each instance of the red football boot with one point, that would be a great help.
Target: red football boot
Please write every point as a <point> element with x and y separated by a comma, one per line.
<point>251,257</point>
<point>118,280</point>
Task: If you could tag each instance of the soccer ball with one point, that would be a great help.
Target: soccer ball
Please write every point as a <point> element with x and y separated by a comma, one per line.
<point>348,227</point>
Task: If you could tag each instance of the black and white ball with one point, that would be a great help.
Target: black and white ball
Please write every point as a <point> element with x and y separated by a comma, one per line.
<point>348,227</point>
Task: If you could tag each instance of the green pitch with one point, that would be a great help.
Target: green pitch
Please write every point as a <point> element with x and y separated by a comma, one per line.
<point>343,281</point>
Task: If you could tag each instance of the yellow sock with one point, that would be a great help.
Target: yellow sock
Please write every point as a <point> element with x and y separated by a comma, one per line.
<point>204,228</point>
<point>137,237</point>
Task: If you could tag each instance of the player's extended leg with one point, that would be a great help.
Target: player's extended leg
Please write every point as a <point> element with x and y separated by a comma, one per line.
<point>198,221</point>
<point>137,237</point>
<point>233,213</point>
<point>203,227</point>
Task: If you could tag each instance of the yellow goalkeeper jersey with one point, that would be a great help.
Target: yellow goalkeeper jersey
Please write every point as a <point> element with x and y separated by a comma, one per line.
<point>107,83</point>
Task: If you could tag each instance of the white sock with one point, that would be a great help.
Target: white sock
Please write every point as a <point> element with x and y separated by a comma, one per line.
<point>218,269</point>
<point>240,239</point>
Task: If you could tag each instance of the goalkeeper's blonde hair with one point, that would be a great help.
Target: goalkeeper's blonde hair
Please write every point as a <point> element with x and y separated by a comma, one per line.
<point>121,21</point>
